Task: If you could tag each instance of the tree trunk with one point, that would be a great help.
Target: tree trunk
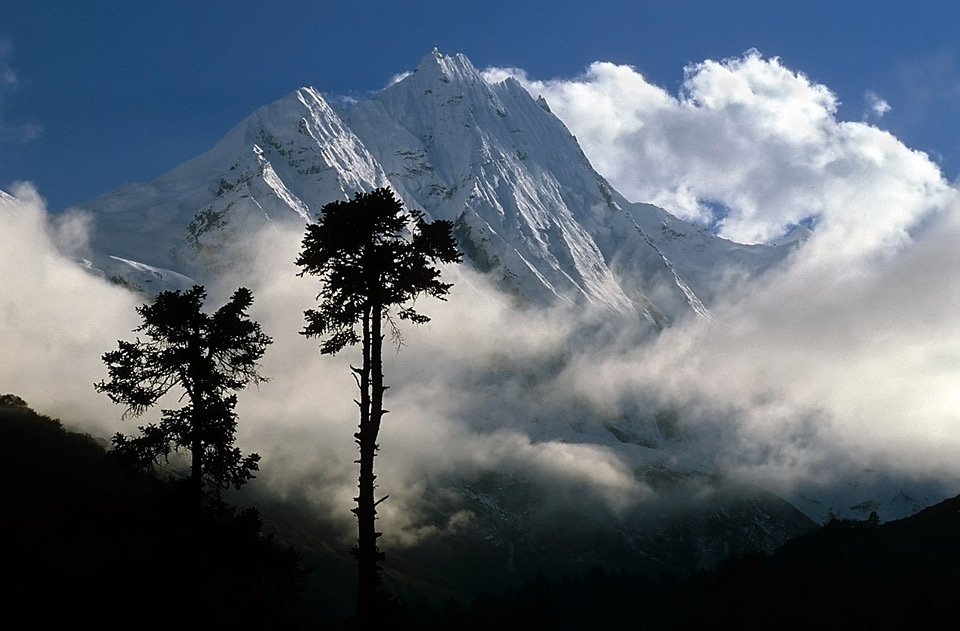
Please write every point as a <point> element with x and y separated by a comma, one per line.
<point>196,459</point>
<point>366,552</point>
<point>199,410</point>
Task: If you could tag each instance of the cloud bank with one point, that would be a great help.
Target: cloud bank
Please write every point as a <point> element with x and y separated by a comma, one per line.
<point>845,360</point>
<point>56,319</point>
<point>749,146</point>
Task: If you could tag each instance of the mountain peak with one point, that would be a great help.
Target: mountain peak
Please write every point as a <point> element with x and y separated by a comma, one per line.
<point>444,68</point>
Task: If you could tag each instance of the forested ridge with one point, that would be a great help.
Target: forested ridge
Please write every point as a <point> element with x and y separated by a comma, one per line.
<point>87,539</point>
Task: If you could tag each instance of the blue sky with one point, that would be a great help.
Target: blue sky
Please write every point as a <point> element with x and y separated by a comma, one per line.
<point>97,93</point>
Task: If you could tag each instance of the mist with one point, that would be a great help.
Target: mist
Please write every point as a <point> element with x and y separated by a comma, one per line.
<point>837,370</point>
<point>800,380</point>
<point>56,318</point>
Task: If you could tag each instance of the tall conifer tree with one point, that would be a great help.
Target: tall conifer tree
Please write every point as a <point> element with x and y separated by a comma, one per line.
<point>373,258</point>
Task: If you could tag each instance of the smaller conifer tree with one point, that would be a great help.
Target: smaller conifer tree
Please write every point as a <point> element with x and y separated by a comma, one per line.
<point>207,356</point>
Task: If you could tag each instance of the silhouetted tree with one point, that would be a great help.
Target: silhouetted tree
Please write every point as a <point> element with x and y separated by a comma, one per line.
<point>208,356</point>
<point>374,258</point>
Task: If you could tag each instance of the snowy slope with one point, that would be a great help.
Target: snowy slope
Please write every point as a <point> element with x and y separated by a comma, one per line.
<point>280,164</point>
<point>528,207</point>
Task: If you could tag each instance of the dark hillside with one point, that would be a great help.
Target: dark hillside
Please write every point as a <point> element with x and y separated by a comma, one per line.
<point>846,575</point>
<point>900,575</point>
<point>84,539</point>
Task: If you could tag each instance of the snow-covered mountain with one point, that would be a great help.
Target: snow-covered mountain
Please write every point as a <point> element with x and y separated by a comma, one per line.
<point>528,207</point>
<point>281,164</point>
<point>529,211</point>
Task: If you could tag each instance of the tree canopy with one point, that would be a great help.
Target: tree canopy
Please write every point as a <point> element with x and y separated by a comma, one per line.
<point>370,252</point>
<point>208,357</point>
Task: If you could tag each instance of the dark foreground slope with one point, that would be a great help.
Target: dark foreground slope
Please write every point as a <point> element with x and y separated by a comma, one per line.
<point>845,575</point>
<point>900,575</point>
<point>83,539</point>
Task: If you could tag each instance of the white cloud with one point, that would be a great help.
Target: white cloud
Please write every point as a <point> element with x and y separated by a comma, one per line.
<point>8,77</point>
<point>798,379</point>
<point>876,106</point>
<point>844,360</point>
<point>400,76</point>
<point>57,319</point>
<point>754,139</point>
<point>9,81</point>
<point>441,423</point>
